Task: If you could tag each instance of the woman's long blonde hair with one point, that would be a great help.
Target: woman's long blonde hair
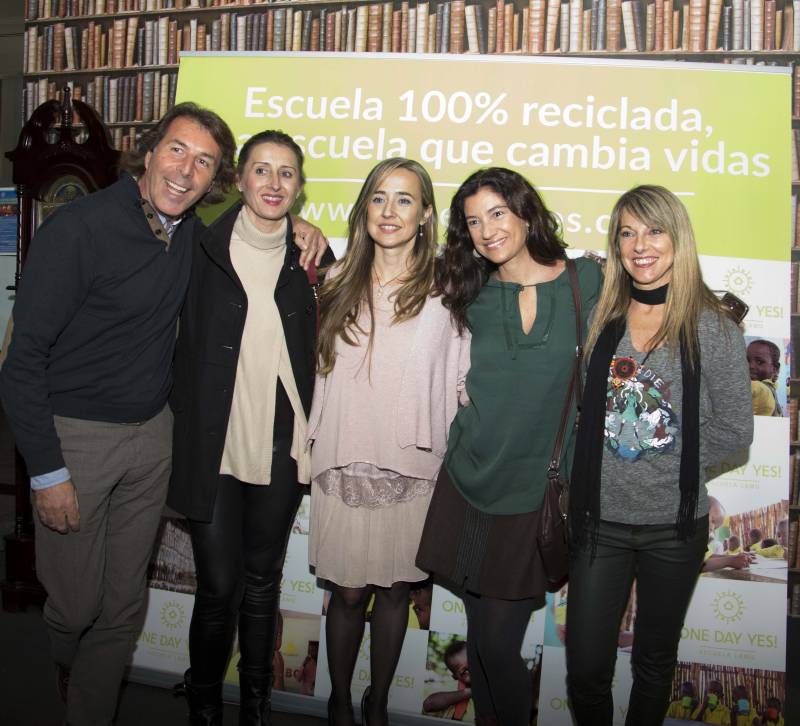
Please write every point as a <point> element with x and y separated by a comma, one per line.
<point>687,295</point>
<point>341,299</point>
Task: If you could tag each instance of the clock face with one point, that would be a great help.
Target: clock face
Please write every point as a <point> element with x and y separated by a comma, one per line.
<point>63,190</point>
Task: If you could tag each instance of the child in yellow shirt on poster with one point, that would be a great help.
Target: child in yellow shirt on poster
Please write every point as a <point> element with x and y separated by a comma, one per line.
<point>712,710</point>
<point>742,711</point>
<point>684,707</point>
<point>772,715</point>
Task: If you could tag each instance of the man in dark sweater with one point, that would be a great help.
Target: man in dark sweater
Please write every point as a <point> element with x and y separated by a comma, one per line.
<point>85,388</point>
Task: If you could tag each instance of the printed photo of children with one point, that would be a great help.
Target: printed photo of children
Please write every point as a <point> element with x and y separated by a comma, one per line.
<point>749,545</point>
<point>447,684</point>
<point>713,694</point>
<point>766,359</point>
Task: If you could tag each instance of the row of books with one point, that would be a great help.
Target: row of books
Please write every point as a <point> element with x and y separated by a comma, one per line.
<point>426,27</point>
<point>794,489</point>
<point>792,554</point>
<point>141,97</point>
<point>793,401</point>
<point>46,9</point>
<point>123,44</point>
<point>794,601</point>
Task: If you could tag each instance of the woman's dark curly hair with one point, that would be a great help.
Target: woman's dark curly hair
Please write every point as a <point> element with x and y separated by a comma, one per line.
<point>460,275</point>
<point>133,161</point>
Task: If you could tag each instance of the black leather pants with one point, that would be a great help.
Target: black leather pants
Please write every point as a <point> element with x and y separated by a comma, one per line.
<point>239,561</point>
<point>665,570</point>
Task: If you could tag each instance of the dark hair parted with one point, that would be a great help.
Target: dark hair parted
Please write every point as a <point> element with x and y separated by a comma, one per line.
<point>461,275</point>
<point>224,175</point>
<point>271,136</point>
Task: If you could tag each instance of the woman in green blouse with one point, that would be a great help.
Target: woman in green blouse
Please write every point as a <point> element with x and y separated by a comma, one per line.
<point>503,277</point>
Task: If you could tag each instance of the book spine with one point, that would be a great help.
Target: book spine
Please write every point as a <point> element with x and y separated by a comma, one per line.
<point>714,17</point>
<point>306,18</point>
<point>59,47</point>
<point>297,30</point>
<point>500,27</point>
<point>361,29</point>
<point>697,25</point>
<point>446,28</point>
<point>738,24</point>
<point>628,25</point>
<point>472,29</point>
<point>480,24</point>
<point>457,26</point>
<point>586,30</point>
<point>163,40</point>
<point>727,27</point>
<point>386,35</point>
<point>537,25</point>
<point>756,24</point>
<point>563,36</point>
<point>279,29</point>
<point>614,25</point>
<point>639,24</point>
<point>650,27</point>
<point>422,28</point>
<point>770,26</point>
<point>551,29</point>
<point>130,48</point>
<point>796,26</point>
<point>508,24</point>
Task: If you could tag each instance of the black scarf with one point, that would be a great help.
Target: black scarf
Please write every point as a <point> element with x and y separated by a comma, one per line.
<point>584,497</point>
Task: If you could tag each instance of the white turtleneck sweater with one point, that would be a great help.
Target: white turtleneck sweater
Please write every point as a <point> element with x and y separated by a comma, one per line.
<point>257,258</point>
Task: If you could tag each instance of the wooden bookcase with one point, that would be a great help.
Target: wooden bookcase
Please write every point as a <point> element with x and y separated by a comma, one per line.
<point>120,56</point>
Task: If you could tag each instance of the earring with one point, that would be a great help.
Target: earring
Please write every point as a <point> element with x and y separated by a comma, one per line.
<point>476,254</point>
<point>420,231</point>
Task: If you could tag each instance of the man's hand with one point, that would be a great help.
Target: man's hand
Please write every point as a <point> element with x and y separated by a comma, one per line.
<point>57,507</point>
<point>310,240</point>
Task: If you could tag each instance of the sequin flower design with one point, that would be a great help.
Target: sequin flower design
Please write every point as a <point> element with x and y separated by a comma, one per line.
<point>639,415</point>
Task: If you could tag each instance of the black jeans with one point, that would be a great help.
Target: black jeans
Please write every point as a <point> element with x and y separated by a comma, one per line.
<point>666,570</point>
<point>239,561</point>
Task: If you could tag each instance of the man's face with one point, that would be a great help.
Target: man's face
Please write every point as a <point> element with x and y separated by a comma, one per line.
<point>181,168</point>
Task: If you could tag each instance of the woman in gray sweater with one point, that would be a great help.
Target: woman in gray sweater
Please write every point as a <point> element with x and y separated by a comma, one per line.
<point>667,395</point>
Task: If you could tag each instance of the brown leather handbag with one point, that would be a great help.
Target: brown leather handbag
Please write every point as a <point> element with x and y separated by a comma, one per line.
<point>553,536</point>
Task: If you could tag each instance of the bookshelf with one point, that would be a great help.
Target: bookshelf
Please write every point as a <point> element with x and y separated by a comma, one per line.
<point>120,56</point>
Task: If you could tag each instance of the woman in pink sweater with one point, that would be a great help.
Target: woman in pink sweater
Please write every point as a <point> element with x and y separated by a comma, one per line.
<point>391,366</point>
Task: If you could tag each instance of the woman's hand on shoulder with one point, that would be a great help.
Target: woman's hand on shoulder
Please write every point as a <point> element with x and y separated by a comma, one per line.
<point>311,241</point>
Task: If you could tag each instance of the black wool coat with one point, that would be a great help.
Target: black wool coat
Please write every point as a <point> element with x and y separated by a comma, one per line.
<point>207,353</point>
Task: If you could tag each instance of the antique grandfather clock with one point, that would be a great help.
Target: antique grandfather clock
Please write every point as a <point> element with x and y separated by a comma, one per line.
<point>54,163</point>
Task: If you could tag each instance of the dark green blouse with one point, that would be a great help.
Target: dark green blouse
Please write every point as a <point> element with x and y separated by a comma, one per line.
<point>500,444</point>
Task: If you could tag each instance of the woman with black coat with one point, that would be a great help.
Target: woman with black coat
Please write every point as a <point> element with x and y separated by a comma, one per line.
<point>244,376</point>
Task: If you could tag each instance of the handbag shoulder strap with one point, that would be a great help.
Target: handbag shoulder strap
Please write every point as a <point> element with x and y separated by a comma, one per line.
<point>575,387</point>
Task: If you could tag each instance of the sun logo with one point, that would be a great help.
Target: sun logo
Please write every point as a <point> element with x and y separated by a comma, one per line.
<point>173,615</point>
<point>738,280</point>
<point>728,607</point>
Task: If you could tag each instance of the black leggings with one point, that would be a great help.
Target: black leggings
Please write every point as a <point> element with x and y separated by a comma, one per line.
<point>501,684</point>
<point>239,561</point>
<point>666,570</point>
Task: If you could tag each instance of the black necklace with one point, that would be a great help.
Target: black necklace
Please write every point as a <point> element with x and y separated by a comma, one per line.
<point>658,296</point>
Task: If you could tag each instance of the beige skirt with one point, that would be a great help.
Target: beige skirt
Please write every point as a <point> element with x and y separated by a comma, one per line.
<point>370,540</point>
